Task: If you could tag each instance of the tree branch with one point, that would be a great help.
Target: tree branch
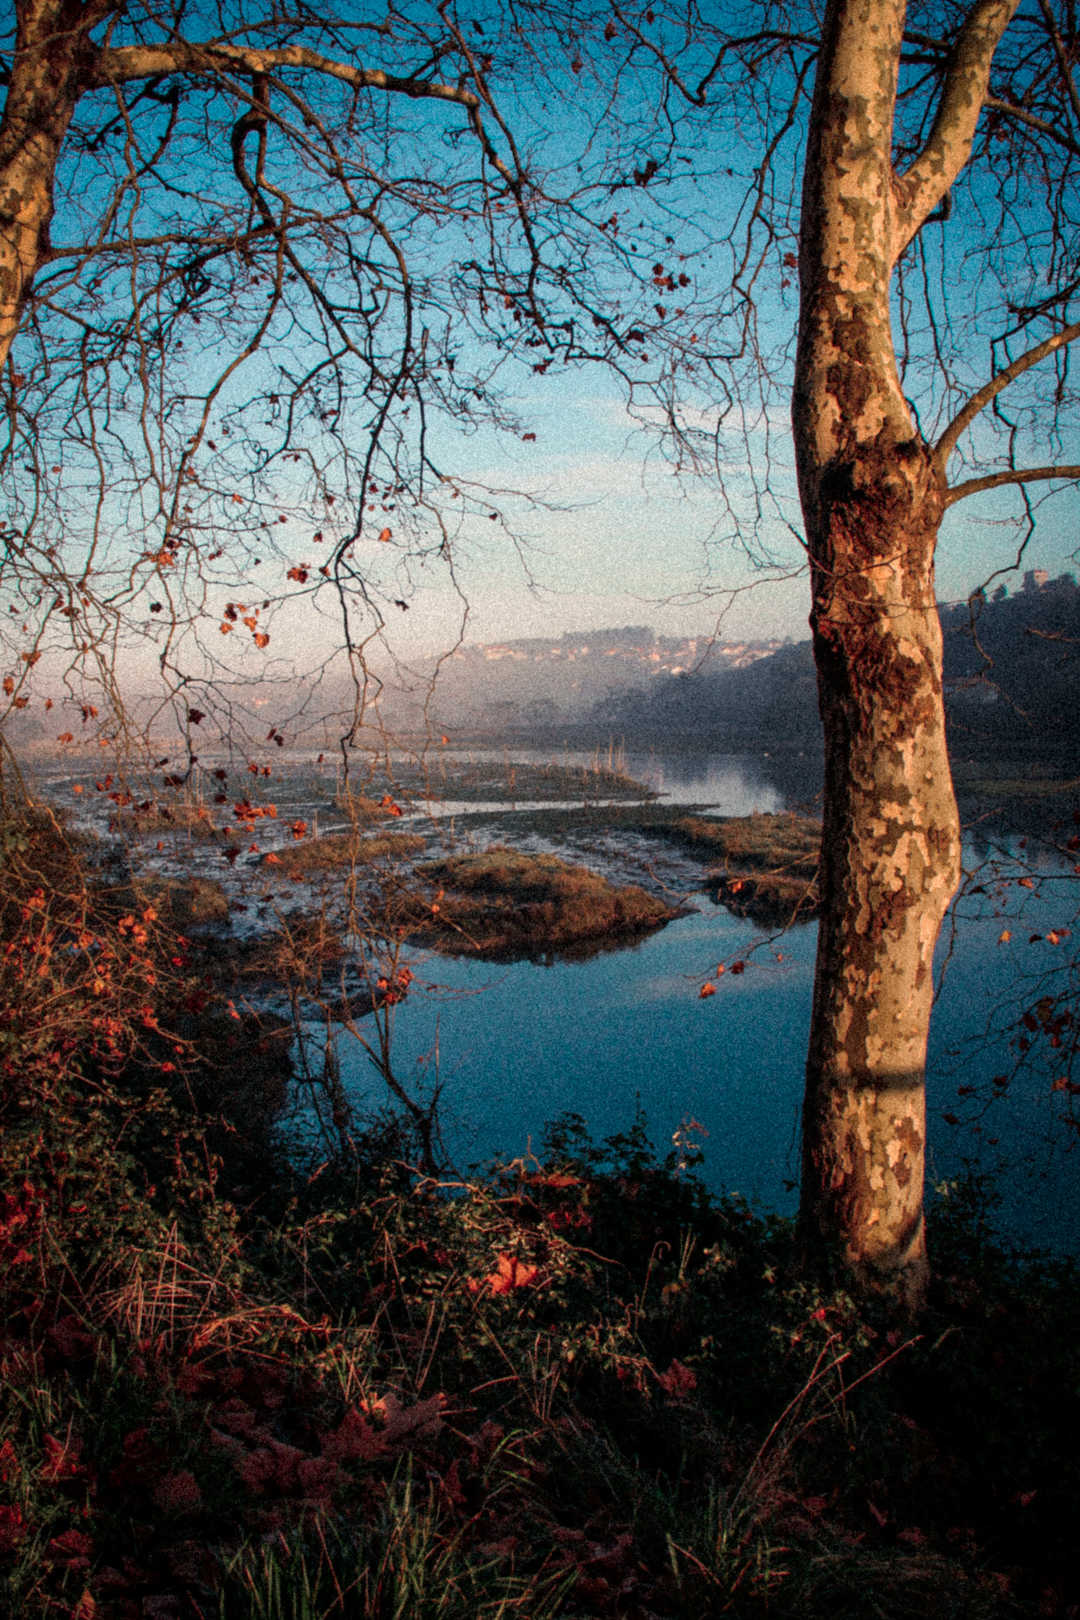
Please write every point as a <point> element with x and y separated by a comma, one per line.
<point>930,176</point>
<point>123,63</point>
<point>989,391</point>
<point>1064,66</point>
<point>1016,475</point>
<point>1043,126</point>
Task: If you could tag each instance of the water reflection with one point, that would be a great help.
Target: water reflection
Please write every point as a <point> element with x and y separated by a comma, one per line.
<point>737,784</point>
<point>514,1046</point>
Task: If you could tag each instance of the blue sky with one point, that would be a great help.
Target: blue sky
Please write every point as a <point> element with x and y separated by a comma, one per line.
<point>596,527</point>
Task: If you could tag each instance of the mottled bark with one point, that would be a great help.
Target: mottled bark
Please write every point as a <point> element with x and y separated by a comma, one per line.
<point>53,56</point>
<point>873,493</point>
<point>890,863</point>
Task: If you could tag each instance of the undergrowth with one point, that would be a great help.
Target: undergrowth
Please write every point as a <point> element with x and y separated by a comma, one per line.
<point>575,1385</point>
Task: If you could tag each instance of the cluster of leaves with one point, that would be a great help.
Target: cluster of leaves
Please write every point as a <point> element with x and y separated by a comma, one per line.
<point>77,963</point>
<point>576,1384</point>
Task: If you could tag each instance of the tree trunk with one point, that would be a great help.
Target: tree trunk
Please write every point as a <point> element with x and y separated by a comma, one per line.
<point>890,864</point>
<point>872,496</point>
<point>52,55</point>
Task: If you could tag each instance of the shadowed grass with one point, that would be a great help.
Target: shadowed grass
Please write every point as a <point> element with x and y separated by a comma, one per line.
<point>575,1384</point>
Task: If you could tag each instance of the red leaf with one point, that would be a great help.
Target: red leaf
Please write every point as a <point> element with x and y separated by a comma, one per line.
<point>678,1381</point>
<point>509,1273</point>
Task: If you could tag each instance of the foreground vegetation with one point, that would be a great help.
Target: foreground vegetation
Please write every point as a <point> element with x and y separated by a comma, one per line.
<point>576,1385</point>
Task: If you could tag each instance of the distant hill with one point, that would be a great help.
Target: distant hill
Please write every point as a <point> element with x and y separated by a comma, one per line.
<point>540,682</point>
<point>1012,665</point>
<point>773,698</point>
<point>1012,678</point>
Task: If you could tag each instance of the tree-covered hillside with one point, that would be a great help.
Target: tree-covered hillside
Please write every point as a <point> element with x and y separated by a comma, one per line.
<point>1012,675</point>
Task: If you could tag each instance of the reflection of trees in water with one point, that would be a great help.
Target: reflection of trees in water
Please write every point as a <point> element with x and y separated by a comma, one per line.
<point>1006,1037</point>
<point>796,776</point>
<point>735,783</point>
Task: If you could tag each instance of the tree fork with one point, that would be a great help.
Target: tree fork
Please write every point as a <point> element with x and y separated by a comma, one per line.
<point>873,493</point>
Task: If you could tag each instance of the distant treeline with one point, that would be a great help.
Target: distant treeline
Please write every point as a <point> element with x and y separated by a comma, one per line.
<point>1012,677</point>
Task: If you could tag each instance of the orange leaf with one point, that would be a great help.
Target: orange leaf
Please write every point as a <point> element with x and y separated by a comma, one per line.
<point>386,534</point>
<point>510,1273</point>
<point>262,639</point>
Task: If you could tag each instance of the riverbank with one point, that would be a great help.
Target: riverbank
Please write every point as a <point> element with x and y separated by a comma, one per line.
<point>576,1387</point>
<point>240,1381</point>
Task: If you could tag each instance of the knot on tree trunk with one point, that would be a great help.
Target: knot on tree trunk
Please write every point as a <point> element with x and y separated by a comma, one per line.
<point>877,494</point>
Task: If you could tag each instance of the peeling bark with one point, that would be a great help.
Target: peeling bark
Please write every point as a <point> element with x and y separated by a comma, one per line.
<point>873,493</point>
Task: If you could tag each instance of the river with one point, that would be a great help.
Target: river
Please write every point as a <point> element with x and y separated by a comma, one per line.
<point>514,1046</point>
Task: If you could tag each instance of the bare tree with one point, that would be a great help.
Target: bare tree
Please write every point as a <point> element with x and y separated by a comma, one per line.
<point>937,273</point>
<point>257,272</point>
<point>909,177</point>
<point>281,263</point>
<point>874,485</point>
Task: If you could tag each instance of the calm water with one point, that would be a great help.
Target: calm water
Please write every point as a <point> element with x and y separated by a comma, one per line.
<point>513,1046</point>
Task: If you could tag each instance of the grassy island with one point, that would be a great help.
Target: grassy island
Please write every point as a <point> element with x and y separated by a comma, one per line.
<point>503,903</point>
<point>762,866</point>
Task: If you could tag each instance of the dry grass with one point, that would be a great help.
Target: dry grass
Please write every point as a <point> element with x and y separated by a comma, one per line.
<point>341,851</point>
<point>516,781</point>
<point>768,869</point>
<point>184,816</point>
<point>503,902</point>
<point>186,902</point>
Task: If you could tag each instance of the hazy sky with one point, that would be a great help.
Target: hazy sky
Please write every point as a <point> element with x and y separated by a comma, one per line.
<point>627,540</point>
